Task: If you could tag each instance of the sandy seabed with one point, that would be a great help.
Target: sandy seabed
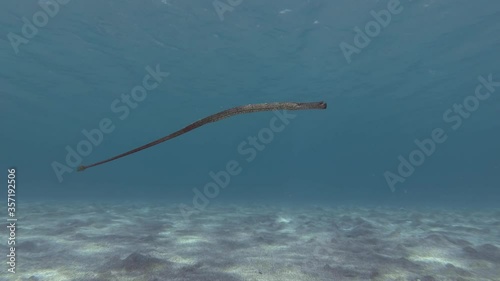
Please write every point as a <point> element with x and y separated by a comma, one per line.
<point>154,242</point>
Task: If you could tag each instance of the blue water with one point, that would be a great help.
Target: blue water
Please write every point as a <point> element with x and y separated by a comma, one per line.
<point>395,90</point>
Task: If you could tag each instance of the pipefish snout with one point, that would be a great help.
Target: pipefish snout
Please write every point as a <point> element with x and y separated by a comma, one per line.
<point>219,116</point>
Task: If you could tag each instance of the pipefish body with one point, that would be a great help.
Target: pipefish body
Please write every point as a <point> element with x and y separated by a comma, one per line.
<point>219,116</point>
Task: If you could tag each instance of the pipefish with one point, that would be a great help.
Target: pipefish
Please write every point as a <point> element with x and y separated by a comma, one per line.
<point>219,116</point>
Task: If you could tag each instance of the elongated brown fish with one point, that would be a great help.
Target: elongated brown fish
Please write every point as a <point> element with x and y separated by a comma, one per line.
<point>219,116</point>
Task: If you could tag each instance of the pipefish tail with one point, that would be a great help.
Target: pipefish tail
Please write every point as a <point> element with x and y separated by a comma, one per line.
<point>219,116</point>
